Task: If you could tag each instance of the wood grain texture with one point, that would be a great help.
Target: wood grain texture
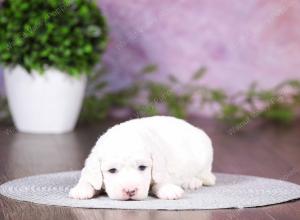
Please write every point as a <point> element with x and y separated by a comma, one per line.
<point>261,150</point>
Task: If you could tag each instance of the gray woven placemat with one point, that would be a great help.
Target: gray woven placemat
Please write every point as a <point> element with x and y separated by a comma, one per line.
<point>231,191</point>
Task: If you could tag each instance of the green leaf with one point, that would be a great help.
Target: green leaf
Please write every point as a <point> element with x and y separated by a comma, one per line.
<point>173,79</point>
<point>233,114</point>
<point>84,10</point>
<point>158,92</point>
<point>230,109</point>
<point>101,85</point>
<point>199,73</point>
<point>18,41</point>
<point>279,113</point>
<point>93,31</point>
<point>149,69</point>
<point>24,6</point>
<point>251,93</point>
<point>294,83</point>
<point>88,48</point>
<point>218,95</point>
<point>5,56</point>
<point>267,96</point>
<point>147,110</point>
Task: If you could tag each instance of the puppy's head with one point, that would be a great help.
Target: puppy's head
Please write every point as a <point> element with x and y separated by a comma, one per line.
<point>127,175</point>
<point>129,163</point>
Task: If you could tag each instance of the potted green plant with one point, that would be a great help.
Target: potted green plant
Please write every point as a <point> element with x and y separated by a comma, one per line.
<point>48,48</point>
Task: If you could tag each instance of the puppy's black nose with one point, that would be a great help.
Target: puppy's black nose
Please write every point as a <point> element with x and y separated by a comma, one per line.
<point>130,192</point>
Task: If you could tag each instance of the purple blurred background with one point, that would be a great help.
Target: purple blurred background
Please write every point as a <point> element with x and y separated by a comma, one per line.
<point>238,41</point>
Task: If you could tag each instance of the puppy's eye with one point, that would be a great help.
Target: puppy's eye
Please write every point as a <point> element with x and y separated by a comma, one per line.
<point>142,168</point>
<point>113,170</point>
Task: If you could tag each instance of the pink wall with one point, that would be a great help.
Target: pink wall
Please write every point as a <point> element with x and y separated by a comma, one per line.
<point>238,41</point>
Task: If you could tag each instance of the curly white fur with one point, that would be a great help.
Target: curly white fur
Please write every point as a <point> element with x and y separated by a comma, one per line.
<point>163,154</point>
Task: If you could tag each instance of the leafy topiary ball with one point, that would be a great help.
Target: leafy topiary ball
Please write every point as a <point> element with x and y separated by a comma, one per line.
<point>69,35</point>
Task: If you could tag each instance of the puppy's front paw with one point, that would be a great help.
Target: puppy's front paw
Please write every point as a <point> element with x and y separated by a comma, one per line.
<point>168,191</point>
<point>82,191</point>
<point>192,184</point>
<point>209,179</point>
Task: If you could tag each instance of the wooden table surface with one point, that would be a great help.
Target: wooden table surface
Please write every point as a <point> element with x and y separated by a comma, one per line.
<point>261,150</point>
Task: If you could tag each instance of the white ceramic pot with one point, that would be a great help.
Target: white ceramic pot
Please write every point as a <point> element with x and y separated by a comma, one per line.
<point>44,103</point>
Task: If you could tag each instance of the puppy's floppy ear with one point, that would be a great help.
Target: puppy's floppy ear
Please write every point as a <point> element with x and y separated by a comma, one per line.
<point>159,167</point>
<point>159,161</point>
<point>91,172</point>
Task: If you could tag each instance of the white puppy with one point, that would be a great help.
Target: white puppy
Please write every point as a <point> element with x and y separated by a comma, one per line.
<point>161,153</point>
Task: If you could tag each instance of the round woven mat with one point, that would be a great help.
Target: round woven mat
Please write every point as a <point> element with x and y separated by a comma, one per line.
<point>231,191</point>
